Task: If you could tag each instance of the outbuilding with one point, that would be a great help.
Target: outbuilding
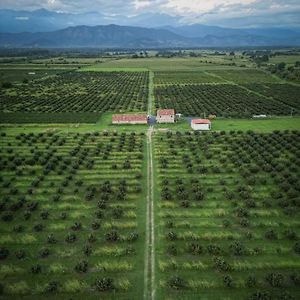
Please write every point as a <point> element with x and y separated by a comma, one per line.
<point>201,124</point>
<point>165,116</point>
<point>130,119</point>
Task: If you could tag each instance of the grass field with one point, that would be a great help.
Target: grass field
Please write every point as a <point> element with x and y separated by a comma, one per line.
<point>165,64</point>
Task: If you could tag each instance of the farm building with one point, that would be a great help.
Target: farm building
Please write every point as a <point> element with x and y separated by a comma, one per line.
<point>165,116</point>
<point>201,124</point>
<point>130,119</point>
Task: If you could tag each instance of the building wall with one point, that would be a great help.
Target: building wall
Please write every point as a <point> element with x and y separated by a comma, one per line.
<point>165,119</point>
<point>201,126</point>
<point>129,122</point>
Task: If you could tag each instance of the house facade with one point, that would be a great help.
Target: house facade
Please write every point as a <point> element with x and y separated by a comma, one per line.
<point>130,119</point>
<point>201,124</point>
<point>165,116</point>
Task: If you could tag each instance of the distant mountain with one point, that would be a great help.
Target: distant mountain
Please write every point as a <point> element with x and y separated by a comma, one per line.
<point>44,20</point>
<point>276,34</point>
<point>108,36</point>
<point>199,30</point>
<point>115,36</point>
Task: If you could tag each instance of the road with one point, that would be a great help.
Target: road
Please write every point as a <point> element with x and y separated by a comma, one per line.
<point>149,271</point>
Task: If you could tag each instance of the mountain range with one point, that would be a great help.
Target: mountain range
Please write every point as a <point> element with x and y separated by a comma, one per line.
<point>43,28</point>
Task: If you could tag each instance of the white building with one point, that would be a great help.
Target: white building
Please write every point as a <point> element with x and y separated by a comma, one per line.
<point>201,124</point>
<point>165,116</point>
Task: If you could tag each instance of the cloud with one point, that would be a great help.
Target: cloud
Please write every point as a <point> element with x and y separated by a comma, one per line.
<point>218,12</point>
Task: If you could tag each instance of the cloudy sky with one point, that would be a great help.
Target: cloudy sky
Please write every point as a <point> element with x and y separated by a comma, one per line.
<point>232,13</point>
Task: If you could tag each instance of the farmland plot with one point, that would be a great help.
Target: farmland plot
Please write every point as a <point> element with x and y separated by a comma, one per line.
<point>227,215</point>
<point>71,216</point>
<point>185,77</point>
<point>224,100</point>
<point>246,76</point>
<point>283,93</point>
<point>91,92</point>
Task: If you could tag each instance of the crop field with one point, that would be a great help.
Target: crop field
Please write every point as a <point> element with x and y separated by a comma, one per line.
<point>15,75</point>
<point>167,64</point>
<point>226,93</point>
<point>284,93</point>
<point>246,76</point>
<point>79,92</point>
<point>95,210</point>
<point>227,215</point>
<point>72,215</point>
<point>224,100</point>
<point>185,77</point>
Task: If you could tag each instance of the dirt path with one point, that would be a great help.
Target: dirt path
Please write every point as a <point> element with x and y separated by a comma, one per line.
<point>149,272</point>
<point>149,266</point>
<point>151,92</point>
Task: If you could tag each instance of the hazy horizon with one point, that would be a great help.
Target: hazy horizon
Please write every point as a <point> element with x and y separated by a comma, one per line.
<point>230,13</point>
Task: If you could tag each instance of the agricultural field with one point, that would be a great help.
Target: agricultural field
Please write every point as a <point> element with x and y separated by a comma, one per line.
<point>72,208</point>
<point>227,215</point>
<point>167,64</point>
<point>284,93</point>
<point>223,100</point>
<point>79,92</point>
<point>241,76</point>
<point>95,210</point>
<point>226,93</point>
<point>19,75</point>
<point>185,77</point>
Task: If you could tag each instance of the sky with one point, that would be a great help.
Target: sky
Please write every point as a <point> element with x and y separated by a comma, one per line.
<point>230,13</point>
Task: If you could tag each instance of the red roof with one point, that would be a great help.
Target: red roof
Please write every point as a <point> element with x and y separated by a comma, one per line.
<point>201,121</point>
<point>129,118</point>
<point>164,112</point>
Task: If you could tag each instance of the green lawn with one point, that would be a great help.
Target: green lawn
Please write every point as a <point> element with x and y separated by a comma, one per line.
<point>258,125</point>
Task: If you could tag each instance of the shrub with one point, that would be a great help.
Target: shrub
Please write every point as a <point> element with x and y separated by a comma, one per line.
<point>295,277</point>
<point>87,250</point>
<point>104,284</point>
<point>176,283</point>
<point>237,248</point>
<point>51,287</point>
<point>36,269</point>
<point>7,217</point>
<point>3,253</point>
<point>271,235</point>
<point>275,279</point>
<point>38,227</point>
<point>117,212</point>
<point>81,266</point>
<point>250,281</point>
<point>112,236</point>
<point>259,295</point>
<point>71,238</point>
<point>195,249</point>
<point>172,236</point>
<point>214,249</point>
<point>51,239</point>
<point>172,250</point>
<point>227,280</point>
<point>132,237</point>
<point>290,234</point>
<point>76,226</point>
<point>222,265</point>
<point>20,254</point>
<point>44,252</point>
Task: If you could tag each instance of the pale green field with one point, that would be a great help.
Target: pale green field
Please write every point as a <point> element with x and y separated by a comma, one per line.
<point>168,64</point>
<point>288,59</point>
